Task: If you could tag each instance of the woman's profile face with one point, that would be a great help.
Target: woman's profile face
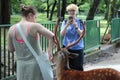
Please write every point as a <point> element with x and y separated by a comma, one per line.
<point>34,18</point>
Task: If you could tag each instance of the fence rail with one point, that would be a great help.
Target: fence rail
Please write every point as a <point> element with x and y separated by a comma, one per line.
<point>91,41</point>
<point>115,30</point>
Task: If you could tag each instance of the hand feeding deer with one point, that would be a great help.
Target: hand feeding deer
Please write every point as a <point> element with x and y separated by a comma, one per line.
<point>61,59</point>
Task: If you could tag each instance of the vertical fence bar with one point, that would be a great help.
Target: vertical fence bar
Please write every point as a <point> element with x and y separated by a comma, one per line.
<point>45,44</point>
<point>0,55</point>
<point>4,52</point>
<point>13,64</point>
<point>42,42</point>
<point>8,63</point>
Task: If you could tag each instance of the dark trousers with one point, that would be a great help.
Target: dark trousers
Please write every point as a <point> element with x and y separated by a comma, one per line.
<point>76,63</point>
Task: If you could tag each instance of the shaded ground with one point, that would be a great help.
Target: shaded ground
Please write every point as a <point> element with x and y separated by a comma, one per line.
<point>108,59</point>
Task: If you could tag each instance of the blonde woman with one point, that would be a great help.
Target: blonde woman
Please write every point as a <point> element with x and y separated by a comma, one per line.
<point>71,30</point>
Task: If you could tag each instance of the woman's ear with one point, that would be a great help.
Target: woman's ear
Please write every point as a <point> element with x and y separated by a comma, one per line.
<point>30,15</point>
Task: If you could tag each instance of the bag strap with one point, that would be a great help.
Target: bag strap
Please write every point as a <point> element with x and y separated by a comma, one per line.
<point>46,74</point>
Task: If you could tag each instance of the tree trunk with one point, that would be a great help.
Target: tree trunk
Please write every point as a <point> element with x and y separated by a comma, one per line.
<point>111,11</point>
<point>107,2</point>
<point>5,12</point>
<point>59,8</point>
<point>63,9</point>
<point>48,8</point>
<point>93,10</point>
<point>114,8</point>
<point>0,11</point>
<point>53,10</point>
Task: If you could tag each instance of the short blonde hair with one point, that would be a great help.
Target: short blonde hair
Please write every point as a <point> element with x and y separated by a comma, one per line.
<point>72,7</point>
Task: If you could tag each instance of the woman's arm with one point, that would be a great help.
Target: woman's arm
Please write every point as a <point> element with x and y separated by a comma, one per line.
<point>48,34</point>
<point>43,31</point>
<point>49,49</point>
<point>63,32</point>
<point>64,27</point>
<point>79,31</point>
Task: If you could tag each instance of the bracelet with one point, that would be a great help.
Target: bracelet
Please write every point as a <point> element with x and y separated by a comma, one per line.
<point>76,28</point>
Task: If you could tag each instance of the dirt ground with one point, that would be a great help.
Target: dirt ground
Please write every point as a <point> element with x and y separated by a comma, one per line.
<point>109,59</point>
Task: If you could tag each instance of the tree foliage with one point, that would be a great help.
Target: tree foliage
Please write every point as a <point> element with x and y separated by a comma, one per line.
<point>50,7</point>
<point>41,5</point>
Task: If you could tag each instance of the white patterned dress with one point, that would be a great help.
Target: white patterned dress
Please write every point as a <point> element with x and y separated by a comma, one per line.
<point>27,67</point>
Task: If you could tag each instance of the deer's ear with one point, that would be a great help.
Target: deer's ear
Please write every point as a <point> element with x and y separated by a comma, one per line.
<point>73,55</point>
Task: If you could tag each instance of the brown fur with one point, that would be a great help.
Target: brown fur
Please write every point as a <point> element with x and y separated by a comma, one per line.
<point>95,74</point>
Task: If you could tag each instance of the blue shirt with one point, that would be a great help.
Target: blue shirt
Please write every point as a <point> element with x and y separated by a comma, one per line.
<point>72,35</point>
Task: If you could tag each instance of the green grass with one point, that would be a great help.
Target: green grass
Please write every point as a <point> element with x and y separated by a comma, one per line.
<point>40,18</point>
<point>15,19</point>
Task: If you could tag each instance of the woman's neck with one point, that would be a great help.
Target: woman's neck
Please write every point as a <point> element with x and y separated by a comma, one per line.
<point>23,20</point>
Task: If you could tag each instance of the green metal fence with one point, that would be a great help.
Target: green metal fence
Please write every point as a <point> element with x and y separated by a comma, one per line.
<point>92,37</point>
<point>44,41</point>
<point>7,59</point>
<point>115,29</point>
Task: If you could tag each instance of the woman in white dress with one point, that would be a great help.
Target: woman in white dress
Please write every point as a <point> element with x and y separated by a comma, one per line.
<point>27,67</point>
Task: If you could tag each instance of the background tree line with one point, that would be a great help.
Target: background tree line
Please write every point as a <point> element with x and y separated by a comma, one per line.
<point>107,8</point>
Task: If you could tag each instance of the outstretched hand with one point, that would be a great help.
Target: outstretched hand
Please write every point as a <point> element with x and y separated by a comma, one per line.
<point>50,57</point>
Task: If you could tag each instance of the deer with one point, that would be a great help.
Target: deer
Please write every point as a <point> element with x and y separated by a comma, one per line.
<point>61,60</point>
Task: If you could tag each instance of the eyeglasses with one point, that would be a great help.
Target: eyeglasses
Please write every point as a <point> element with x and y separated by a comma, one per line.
<point>71,10</point>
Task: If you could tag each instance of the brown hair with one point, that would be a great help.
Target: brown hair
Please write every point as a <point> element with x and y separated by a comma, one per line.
<point>25,10</point>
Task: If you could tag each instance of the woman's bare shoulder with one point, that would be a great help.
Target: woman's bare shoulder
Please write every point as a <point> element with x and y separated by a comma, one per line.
<point>11,29</point>
<point>36,26</point>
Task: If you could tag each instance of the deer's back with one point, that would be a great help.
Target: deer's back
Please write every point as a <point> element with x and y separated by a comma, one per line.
<point>96,74</point>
